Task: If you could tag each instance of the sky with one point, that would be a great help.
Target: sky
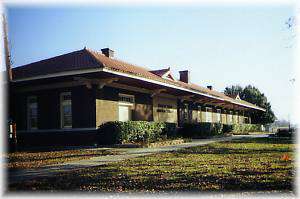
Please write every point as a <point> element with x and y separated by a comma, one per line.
<point>220,45</point>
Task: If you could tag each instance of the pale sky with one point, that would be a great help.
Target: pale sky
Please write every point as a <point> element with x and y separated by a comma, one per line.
<point>220,45</point>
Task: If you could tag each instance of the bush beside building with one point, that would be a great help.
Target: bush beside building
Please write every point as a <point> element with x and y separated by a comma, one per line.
<point>147,132</point>
<point>135,132</point>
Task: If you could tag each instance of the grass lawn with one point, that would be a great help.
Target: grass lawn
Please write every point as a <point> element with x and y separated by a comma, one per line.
<point>28,160</point>
<point>246,164</point>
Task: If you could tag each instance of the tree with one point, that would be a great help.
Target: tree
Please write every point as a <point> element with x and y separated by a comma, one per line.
<point>253,95</point>
<point>233,90</point>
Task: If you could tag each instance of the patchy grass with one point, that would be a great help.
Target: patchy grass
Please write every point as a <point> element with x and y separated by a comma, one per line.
<point>166,143</point>
<point>29,160</point>
<point>245,164</point>
<point>251,133</point>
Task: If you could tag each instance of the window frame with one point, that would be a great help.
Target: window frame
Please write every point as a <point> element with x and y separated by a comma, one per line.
<point>61,100</point>
<point>199,113</point>
<point>29,124</point>
<point>185,112</point>
<point>164,108</point>
<point>126,102</point>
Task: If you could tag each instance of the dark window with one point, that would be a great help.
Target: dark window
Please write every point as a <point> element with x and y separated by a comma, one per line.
<point>32,112</point>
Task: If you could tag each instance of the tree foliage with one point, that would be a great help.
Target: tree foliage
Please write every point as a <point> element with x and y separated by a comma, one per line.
<point>233,90</point>
<point>253,95</point>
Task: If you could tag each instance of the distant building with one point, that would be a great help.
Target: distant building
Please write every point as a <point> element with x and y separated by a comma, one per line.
<point>72,94</point>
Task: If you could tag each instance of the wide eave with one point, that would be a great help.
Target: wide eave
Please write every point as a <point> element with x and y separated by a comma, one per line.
<point>90,63</point>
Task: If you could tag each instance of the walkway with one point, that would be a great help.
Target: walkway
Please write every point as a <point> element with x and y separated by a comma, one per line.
<point>123,154</point>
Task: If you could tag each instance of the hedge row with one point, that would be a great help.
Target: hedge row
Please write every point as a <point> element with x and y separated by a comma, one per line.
<point>146,132</point>
<point>245,128</point>
<point>201,130</point>
<point>205,129</point>
<point>135,132</point>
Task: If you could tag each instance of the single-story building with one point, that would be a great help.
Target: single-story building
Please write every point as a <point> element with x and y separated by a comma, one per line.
<point>74,93</point>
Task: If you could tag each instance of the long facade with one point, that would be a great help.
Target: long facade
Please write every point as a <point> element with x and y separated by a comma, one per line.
<point>91,107</point>
<point>71,104</point>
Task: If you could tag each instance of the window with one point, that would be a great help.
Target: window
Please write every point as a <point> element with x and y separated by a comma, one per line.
<point>219,115</point>
<point>125,107</point>
<point>186,112</point>
<point>208,114</point>
<point>164,108</point>
<point>237,117</point>
<point>126,98</point>
<point>66,110</point>
<point>199,114</point>
<point>32,112</point>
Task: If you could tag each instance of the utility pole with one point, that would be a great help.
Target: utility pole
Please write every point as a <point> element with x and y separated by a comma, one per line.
<point>6,51</point>
<point>12,133</point>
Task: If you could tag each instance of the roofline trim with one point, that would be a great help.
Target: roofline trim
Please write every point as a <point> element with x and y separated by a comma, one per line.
<point>157,82</point>
<point>176,87</point>
<point>80,71</point>
<point>60,74</point>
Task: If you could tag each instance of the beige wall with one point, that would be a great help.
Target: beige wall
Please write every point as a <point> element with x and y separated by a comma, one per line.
<point>214,117</point>
<point>106,111</point>
<point>229,119</point>
<point>195,116</point>
<point>224,118</point>
<point>235,119</point>
<point>241,119</point>
<point>203,116</point>
<point>164,116</point>
<point>143,112</point>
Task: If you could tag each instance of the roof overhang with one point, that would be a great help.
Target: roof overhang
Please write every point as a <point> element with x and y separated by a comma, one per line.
<point>179,88</point>
<point>217,100</point>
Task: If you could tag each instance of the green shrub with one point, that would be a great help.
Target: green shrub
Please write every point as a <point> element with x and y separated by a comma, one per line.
<point>134,132</point>
<point>204,130</point>
<point>169,129</point>
<point>200,130</point>
<point>285,132</point>
<point>227,128</point>
<point>245,128</point>
<point>217,128</point>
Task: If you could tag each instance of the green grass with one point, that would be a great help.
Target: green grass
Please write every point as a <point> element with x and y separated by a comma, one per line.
<point>245,164</point>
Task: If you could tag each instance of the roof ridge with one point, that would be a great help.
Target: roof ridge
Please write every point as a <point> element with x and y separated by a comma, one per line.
<point>97,59</point>
<point>90,51</point>
<point>160,69</point>
<point>41,60</point>
<point>116,59</point>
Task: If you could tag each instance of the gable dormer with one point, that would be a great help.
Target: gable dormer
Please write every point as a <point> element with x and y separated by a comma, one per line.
<point>164,73</point>
<point>237,97</point>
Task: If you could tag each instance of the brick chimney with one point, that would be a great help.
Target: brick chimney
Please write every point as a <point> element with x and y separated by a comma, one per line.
<point>108,52</point>
<point>184,76</point>
<point>210,87</point>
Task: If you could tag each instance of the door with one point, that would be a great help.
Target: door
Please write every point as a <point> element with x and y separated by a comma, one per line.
<point>124,113</point>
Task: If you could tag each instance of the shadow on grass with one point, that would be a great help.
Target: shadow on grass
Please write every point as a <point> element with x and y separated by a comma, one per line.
<point>242,149</point>
<point>224,150</point>
<point>121,177</point>
<point>105,179</point>
<point>63,156</point>
<point>265,140</point>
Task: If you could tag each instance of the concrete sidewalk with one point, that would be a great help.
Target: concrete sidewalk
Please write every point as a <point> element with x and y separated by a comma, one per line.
<point>123,154</point>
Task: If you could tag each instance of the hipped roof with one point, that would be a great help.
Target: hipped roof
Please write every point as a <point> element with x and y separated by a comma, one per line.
<point>90,59</point>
